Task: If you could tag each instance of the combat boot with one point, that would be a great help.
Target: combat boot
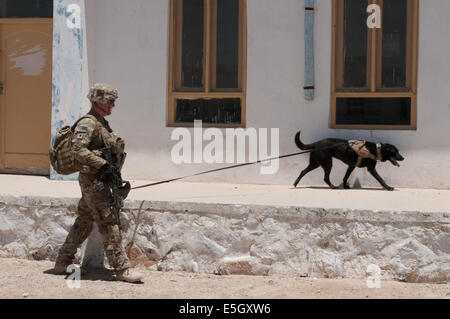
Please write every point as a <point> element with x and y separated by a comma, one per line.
<point>60,269</point>
<point>129,275</point>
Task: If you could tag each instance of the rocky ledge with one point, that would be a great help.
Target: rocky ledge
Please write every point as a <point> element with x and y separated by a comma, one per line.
<point>247,239</point>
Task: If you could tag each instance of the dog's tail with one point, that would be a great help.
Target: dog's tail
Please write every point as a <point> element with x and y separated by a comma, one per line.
<point>302,146</point>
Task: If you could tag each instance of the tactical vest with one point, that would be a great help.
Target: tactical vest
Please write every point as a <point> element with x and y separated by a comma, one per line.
<point>115,144</point>
<point>359,147</point>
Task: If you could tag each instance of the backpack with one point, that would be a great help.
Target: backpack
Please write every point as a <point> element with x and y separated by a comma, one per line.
<point>60,154</point>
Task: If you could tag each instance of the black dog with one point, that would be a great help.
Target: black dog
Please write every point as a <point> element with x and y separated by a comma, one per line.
<point>323,152</point>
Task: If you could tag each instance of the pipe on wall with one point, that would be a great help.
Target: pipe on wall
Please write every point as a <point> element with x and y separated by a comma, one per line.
<point>309,50</point>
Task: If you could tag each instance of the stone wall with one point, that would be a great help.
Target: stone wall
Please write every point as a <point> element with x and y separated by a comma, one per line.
<point>255,240</point>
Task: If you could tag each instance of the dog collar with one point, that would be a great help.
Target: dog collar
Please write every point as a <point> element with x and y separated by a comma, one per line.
<point>379,157</point>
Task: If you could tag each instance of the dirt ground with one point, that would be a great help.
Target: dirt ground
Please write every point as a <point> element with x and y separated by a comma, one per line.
<point>22,279</point>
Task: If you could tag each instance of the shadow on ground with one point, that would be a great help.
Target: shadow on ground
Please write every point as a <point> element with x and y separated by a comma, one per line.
<point>91,274</point>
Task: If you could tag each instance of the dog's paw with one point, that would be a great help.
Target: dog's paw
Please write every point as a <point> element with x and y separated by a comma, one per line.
<point>347,186</point>
<point>390,188</point>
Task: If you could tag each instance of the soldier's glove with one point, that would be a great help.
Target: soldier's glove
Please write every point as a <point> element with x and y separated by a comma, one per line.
<point>108,174</point>
<point>124,190</point>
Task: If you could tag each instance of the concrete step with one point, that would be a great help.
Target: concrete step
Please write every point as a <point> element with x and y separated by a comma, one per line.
<point>248,229</point>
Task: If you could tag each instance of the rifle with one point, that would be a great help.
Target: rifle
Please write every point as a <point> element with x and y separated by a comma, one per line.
<point>120,188</point>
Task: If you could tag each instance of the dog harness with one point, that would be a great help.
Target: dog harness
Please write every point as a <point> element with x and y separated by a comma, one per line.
<point>359,147</point>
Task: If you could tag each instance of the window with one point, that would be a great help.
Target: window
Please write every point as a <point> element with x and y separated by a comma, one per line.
<point>26,8</point>
<point>207,63</point>
<point>374,80</point>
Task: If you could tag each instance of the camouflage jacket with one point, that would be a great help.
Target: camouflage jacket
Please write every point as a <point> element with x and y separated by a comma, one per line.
<point>91,135</point>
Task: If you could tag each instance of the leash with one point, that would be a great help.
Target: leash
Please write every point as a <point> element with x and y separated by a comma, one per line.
<point>239,165</point>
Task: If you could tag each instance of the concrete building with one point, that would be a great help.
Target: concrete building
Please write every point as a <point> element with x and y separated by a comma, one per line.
<point>375,70</point>
<point>241,63</point>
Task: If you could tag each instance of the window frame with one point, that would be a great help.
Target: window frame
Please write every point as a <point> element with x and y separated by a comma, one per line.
<point>373,88</point>
<point>4,5</point>
<point>209,58</point>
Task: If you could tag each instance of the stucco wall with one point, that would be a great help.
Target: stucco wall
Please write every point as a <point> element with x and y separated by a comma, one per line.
<point>128,47</point>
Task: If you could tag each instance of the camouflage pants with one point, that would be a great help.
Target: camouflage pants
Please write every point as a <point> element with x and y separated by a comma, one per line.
<point>94,207</point>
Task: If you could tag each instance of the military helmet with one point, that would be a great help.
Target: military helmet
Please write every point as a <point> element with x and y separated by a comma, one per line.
<point>102,93</point>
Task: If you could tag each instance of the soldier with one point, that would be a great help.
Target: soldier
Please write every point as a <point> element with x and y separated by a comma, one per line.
<point>92,134</point>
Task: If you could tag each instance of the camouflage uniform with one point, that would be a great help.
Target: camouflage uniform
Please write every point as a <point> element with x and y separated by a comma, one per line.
<point>92,134</point>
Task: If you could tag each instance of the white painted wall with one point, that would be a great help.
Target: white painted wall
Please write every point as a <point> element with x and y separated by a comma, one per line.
<point>128,47</point>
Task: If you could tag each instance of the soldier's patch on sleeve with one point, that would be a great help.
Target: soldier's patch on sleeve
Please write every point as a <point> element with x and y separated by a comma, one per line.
<point>81,129</point>
<point>85,121</point>
<point>78,138</point>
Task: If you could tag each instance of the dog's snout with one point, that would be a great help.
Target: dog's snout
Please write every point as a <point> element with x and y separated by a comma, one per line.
<point>400,158</point>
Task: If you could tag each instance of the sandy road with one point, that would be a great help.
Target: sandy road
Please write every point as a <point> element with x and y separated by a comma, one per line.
<point>31,279</point>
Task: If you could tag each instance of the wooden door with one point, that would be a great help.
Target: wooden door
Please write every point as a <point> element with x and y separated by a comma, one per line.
<point>25,95</point>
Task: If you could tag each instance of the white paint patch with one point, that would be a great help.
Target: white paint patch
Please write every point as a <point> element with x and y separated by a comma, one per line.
<point>31,61</point>
<point>74,19</point>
